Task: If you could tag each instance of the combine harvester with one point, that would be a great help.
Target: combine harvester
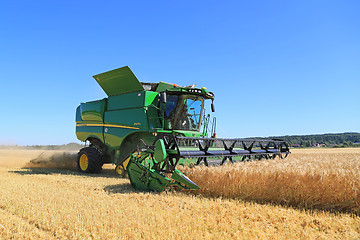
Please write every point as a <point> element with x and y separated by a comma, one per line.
<point>147,129</point>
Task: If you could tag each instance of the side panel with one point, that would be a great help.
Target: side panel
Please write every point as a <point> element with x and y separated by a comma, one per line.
<point>121,123</point>
<point>151,98</point>
<point>93,111</point>
<point>83,133</point>
<point>129,100</point>
<point>78,115</point>
<point>152,104</point>
<point>155,121</point>
<point>89,120</point>
<point>84,130</point>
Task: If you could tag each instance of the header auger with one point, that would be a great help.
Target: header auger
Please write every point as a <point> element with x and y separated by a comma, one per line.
<point>147,129</point>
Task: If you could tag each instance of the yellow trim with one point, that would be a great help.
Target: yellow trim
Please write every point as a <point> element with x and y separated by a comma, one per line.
<point>109,125</point>
<point>126,162</point>
<point>102,125</point>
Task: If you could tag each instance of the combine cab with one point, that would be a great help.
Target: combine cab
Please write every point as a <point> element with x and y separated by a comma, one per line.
<point>147,129</point>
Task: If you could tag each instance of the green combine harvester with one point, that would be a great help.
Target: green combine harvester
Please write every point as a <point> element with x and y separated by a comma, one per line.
<point>147,129</point>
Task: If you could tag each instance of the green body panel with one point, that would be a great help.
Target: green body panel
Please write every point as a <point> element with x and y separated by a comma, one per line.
<point>93,111</point>
<point>91,128</point>
<point>128,100</point>
<point>131,118</point>
<point>132,100</point>
<point>151,98</point>
<point>83,134</point>
<point>118,81</point>
<point>115,136</point>
<point>154,120</point>
<point>121,123</point>
<point>78,115</point>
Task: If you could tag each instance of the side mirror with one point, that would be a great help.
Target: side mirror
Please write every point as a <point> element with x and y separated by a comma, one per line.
<point>212,107</point>
<point>163,97</point>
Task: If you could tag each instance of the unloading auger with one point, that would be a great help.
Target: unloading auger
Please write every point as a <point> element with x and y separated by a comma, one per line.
<point>147,129</point>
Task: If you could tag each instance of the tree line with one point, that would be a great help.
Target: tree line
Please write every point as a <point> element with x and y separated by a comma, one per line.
<point>67,147</point>
<point>349,139</point>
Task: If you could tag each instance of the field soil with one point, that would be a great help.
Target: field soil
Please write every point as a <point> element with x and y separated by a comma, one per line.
<point>42,196</point>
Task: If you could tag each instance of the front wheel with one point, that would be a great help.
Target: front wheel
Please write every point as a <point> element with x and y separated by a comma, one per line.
<point>120,169</point>
<point>89,160</point>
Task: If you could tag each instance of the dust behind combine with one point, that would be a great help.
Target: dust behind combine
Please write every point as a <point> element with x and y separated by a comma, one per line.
<point>58,160</point>
<point>38,159</point>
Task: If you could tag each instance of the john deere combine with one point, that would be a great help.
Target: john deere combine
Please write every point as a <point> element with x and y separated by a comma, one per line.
<point>147,129</point>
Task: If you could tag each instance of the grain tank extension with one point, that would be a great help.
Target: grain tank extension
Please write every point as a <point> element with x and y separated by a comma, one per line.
<point>147,129</point>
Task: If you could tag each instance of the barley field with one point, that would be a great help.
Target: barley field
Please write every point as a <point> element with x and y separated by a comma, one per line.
<point>325,179</point>
<point>312,194</point>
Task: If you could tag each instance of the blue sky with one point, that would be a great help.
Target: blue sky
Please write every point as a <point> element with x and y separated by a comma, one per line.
<point>276,67</point>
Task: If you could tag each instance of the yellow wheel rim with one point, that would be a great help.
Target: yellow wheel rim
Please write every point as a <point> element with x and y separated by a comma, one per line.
<point>84,162</point>
<point>120,170</point>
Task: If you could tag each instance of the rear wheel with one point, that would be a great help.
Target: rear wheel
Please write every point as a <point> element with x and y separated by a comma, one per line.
<point>89,160</point>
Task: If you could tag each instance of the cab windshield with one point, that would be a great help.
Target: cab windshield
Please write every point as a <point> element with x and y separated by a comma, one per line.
<point>183,112</point>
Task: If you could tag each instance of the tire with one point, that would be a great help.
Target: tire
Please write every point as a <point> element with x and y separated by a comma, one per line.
<point>89,160</point>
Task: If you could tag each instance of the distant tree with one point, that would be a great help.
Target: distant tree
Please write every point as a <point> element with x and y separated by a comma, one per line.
<point>328,139</point>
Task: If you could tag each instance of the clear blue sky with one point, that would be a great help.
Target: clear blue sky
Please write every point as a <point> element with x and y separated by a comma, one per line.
<point>276,67</point>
